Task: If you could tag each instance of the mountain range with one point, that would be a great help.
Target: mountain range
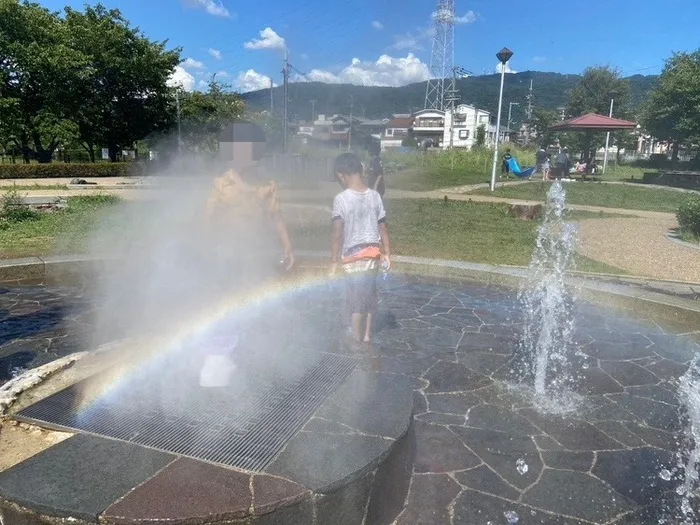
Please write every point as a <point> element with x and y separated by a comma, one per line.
<point>550,90</point>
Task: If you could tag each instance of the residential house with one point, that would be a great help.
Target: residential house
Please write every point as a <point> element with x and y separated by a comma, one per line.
<point>462,126</point>
<point>335,130</point>
<point>429,127</point>
<point>504,133</point>
<point>396,131</point>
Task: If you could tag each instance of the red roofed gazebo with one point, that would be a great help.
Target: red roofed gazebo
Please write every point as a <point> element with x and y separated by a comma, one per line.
<point>593,122</point>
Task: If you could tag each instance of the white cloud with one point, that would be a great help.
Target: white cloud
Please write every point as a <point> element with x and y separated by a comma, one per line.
<point>539,60</point>
<point>191,63</point>
<point>508,69</point>
<point>407,42</point>
<point>268,40</point>
<point>386,71</point>
<point>213,7</point>
<point>304,56</point>
<point>251,80</point>
<point>413,41</point>
<point>182,78</point>
<point>215,53</point>
<point>377,25</point>
<point>468,18</point>
<point>222,74</point>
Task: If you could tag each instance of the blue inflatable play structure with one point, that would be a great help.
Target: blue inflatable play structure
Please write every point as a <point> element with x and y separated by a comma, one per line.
<point>515,169</point>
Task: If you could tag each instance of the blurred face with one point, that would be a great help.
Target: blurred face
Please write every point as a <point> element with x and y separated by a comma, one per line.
<point>241,155</point>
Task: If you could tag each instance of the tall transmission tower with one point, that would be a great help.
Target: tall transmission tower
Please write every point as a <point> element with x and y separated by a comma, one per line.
<point>443,55</point>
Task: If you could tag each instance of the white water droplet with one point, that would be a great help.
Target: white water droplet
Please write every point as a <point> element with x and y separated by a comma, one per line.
<point>665,474</point>
<point>586,365</point>
<point>521,466</point>
<point>511,516</point>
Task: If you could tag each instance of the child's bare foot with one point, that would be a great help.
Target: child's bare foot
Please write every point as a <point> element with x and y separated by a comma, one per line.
<point>367,340</point>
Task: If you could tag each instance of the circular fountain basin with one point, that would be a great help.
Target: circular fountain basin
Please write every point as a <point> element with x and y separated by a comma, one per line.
<point>484,451</point>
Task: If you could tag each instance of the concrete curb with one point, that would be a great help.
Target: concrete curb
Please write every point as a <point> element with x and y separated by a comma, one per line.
<point>673,237</point>
<point>666,307</point>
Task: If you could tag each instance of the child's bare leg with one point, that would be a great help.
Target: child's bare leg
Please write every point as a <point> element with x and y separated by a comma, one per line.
<point>356,320</point>
<point>368,329</point>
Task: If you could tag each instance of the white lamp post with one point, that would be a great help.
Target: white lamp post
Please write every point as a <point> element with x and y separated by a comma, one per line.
<point>504,55</point>
<point>607,139</point>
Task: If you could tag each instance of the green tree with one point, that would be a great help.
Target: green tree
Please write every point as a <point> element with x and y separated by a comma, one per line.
<point>37,69</point>
<point>593,94</point>
<point>274,129</point>
<point>122,96</point>
<point>672,110</point>
<point>480,136</point>
<point>542,120</point>
<point>204,115</point>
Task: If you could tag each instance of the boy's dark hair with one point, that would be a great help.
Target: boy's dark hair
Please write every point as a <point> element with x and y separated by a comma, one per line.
<point>347,164</point>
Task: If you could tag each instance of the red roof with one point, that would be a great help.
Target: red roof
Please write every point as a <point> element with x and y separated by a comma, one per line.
<point>401,123</point>
<point>593,122</point>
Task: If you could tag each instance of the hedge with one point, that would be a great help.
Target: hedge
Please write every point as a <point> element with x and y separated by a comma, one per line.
<point>58,170</point>
<point>689,216</point>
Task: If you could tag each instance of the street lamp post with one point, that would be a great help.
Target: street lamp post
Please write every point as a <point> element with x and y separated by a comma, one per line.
<point>504,55</point>
<point>607,139</point>
<point>510,110</point>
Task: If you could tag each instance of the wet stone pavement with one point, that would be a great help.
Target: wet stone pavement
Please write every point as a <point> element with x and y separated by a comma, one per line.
<point>484,453</point>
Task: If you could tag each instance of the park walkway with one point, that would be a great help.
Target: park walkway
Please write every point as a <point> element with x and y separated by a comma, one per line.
<point>638,244</point>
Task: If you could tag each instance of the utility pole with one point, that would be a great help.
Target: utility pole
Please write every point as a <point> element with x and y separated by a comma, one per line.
<point>313,110</point>
<point>528,114</point>
<point>510,110</point>
<point>179,130</point>
<point>285,76</point>
<point>452,97</point>
<point>352,101</point>
<point>530,97</point>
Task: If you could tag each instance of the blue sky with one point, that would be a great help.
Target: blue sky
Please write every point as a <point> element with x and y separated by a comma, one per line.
<point>390,40</point>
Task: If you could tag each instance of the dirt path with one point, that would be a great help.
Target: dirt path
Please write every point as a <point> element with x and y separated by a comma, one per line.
<point>640,246</point>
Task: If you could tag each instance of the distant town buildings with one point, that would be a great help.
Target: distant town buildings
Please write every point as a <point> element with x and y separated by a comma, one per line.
<point>428,127</point>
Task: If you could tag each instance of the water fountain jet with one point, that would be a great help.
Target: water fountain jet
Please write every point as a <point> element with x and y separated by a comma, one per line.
<point>548,320</point>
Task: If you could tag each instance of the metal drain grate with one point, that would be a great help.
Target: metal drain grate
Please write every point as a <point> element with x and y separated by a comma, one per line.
<point>244,426</point>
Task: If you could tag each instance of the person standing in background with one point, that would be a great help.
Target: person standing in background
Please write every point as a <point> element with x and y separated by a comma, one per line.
<point>505,167</point>
<point>375,175</point>
<point>563,162</point>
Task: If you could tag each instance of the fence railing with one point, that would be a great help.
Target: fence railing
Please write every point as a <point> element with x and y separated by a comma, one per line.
<point>298,169</point>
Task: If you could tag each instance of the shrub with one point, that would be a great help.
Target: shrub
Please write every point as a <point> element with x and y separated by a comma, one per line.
<point>14,209</point>
<point>689,217</point>
<point>57,170</point>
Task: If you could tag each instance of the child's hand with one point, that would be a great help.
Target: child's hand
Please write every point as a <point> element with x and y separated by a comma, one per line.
<point>386,261</point>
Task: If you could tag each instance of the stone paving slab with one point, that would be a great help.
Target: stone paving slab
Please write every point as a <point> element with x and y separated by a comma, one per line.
<point>81,476</point>
<point>599,464</point>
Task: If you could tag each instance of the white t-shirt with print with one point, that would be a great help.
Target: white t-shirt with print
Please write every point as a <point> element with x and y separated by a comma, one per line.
<point>361,212</point>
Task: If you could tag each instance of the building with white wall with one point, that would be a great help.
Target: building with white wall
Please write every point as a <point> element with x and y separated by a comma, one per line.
<point>462,125</point>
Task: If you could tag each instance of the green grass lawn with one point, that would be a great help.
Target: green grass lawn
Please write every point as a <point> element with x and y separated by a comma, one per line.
<point>597,194</point>
<point>474,232</point>
<point>416,179</point>
<point>33,187</point>
<point>457,230</point>
<point>62,231</point>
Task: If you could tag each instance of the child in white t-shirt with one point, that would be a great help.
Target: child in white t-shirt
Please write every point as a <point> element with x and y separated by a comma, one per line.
<point>359,235</point>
